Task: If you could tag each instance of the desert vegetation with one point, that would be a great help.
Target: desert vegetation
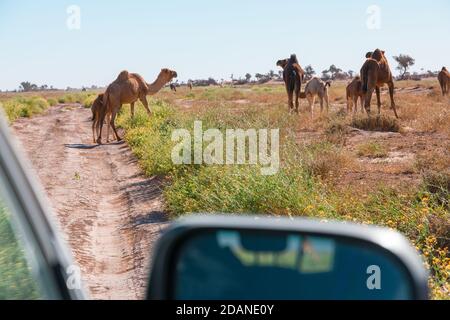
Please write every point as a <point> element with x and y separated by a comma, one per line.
<point>336,166</point>
<point>27,104</point>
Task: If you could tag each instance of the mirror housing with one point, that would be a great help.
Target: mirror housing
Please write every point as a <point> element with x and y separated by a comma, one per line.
<point>256,236</point>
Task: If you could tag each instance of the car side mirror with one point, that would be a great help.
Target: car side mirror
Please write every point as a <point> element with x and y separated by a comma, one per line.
<point>245,258</point>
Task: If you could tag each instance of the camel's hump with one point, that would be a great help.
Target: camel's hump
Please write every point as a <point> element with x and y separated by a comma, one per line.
<point>123,76</point>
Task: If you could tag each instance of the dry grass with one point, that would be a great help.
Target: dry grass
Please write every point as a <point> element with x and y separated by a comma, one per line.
<point>372,150</point>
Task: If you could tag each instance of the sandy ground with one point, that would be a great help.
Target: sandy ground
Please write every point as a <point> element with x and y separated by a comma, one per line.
<point>109,212</point>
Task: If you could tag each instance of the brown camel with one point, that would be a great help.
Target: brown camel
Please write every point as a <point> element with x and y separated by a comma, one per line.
<point>98,112</point>
<point>292,77</point>
<point>354,93</point>
<point>444,80</point>
<point>283,63</point>
<point>190,85</point>
<point>128,88</point>
<point>374,74</point>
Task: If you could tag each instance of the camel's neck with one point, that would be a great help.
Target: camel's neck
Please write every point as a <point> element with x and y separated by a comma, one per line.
<point>157,85</point>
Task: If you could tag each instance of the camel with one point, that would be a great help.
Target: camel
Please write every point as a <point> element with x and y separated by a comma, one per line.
<point>444,80</point>
<point>128,88</point>
<point>293,81</point>
<point>317,87</point>
<point>173,87</point>
<point>283,62</point>
<point>354,92</point>
<point>98,112</point>
<point>374,74</point>
<point>190,86</point>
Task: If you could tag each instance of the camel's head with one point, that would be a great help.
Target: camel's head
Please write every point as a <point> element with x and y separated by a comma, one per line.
<point>168,74</point>
<point>444,69</point>
<point>282,63</point>
<point>293,58</point>
<point>369,54</point>
<point>378,54</point>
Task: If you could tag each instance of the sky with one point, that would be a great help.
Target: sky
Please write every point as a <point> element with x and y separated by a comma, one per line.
<point>41,43</point>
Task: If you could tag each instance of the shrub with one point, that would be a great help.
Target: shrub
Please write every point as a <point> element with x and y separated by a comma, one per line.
<point>52,101</point>
<point>24,107</point>
<point>372,150</point>
<point>89,100</point>
<point>378,123</point>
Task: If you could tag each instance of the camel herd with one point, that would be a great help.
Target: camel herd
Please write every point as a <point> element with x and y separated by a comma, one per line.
<point>374,74</point>
<point>128,88</point>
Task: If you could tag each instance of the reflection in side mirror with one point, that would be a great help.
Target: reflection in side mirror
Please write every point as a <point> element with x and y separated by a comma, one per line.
<point>244,258</point>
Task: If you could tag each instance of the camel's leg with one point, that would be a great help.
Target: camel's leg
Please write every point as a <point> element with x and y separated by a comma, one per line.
<point>377,90</point>
<point>391,94</point>
<point>145,103</point>
<point>108,120</point>
<point>97,129</point>
<point>113,125</point>
<point>321,103</point>
<point>290,101</point>
<point>311,104</point>
<point>362,103</point>
<point>132,110</point>
<point>94,128</point>
<point>327,101</point>
<point>296,101</point>
<point>355,104</point>
<point>100,127</point>
<point>349,104</point>
<point>368,99</point>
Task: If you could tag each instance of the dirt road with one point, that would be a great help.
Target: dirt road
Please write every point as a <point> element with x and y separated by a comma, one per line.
<point>109,212</point>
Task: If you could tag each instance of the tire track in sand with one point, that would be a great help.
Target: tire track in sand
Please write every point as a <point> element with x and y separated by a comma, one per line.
<point>109,212</point>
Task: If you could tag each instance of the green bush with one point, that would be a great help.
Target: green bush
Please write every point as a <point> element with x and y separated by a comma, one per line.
<point>24,107</point>
<point>16,282</point>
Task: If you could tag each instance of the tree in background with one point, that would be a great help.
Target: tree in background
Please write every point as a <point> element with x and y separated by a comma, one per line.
<point>280,74</point>
<point>334,71</point>
<point>26,86</point>
<point>248,76</point>
<point>404,63</point>
<point>326,75</point>
<point>259,76</point>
